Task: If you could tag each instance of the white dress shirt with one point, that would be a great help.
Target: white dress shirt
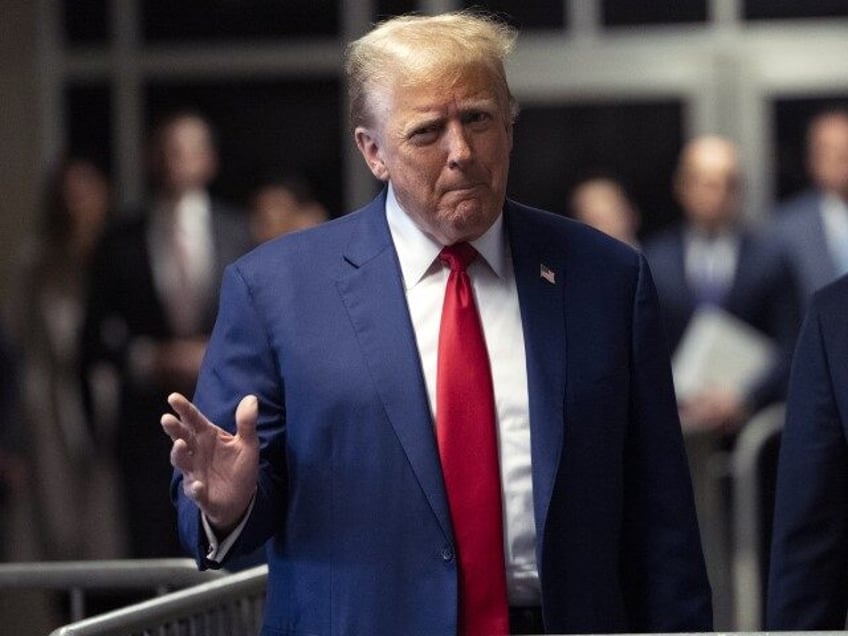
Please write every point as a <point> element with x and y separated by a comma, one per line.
<point>493,279</point>
<point>180,236</point>
<point>183,227</point>
<point>711,259</point>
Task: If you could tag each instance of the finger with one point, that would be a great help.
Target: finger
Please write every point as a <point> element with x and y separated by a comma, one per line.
<point>182,457</point>
<point>194,490</point>
<point>174,428</point>
<point>247,413</point>
<point>187,412</point>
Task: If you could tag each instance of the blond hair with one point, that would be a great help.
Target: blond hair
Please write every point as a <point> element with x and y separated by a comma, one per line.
<point>414,48</point>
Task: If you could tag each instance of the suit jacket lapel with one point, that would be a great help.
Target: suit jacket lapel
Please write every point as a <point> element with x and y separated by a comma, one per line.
<point>543,321</point>
<point>372,290</point>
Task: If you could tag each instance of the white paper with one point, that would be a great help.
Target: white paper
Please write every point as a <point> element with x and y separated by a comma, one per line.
<point>719,350</point>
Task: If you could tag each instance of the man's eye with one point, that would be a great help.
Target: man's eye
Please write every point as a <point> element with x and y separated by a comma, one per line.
<point>424,134</point>
<point>477,117</point>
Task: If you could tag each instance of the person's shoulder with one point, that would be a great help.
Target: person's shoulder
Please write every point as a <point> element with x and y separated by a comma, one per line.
<point>832,299</point>
<point>222,206</point>
<point>662,241</point>
<point>126,226</point>
<point>796,209</point>
<point>223,211</point>
<point>757,240</point>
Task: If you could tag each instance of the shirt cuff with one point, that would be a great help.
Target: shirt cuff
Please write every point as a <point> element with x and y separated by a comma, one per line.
<point>219,548</point>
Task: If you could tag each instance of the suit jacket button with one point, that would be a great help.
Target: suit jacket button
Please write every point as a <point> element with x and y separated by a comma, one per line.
<point>447,554</point>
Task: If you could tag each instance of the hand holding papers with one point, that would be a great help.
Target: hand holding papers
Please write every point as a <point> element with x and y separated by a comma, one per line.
<point>719,355</point>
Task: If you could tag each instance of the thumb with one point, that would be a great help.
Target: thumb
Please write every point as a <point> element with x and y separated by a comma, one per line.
<point>247,413</point>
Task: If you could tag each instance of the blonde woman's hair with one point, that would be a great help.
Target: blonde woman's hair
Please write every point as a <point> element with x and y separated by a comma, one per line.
<point>412,48</point>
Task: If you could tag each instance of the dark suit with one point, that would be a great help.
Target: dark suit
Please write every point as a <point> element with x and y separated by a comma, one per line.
<point>762,294</point>
<point>125,305</point>
<point>808,578</point>
<point>351,493</point>
<point>799,230</point>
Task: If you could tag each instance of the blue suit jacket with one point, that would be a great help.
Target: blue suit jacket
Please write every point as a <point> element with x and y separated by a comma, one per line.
<point>351,493</point>
<point>799,230</point>
<point>763,294</point>
<point>808,576</point>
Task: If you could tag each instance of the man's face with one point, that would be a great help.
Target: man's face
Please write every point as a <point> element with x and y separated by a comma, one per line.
<point>708,184</point>
<point>709,195</point>
<point>187,156</point>
<point>828,155</point>
<point>444,145</point>
<point>275,211</point>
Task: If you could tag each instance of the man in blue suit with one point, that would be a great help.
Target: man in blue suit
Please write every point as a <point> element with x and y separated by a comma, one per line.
<point>812,227</point>
<point>333,333</point>
<point>712,260</point>
<point>808,576</point>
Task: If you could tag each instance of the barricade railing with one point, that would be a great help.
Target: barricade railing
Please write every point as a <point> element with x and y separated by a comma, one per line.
<point>78,578</point>
<point>748,501</point>
<point>229,606</point>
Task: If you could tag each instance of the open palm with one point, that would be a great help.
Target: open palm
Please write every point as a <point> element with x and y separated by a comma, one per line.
<point>219,469</point>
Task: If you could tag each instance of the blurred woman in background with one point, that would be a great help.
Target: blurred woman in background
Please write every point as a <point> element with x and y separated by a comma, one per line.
<point>70,498</point>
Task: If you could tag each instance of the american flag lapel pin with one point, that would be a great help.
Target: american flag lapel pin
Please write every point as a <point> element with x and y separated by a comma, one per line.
<point>547,273</point>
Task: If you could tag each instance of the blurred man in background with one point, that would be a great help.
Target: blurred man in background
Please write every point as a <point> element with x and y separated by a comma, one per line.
<point>813,226</point>
<point>603,203</point>
<point>283,204</point>
<point>151,306</point>
<point>711,260</point>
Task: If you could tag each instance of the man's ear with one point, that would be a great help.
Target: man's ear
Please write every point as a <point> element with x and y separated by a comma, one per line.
<point>369,146</point>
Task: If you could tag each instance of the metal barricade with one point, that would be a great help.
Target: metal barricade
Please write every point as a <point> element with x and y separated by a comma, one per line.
<point>230,606</point>
<point>77,578</point>
<point>748,500</point>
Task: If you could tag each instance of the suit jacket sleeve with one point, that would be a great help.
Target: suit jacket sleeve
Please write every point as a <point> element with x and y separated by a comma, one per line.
<point>663,571</point>
<point>238,362</point>
<point>808,578</point>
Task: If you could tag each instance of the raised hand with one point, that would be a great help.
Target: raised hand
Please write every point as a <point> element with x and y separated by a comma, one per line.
<point>220,470</point>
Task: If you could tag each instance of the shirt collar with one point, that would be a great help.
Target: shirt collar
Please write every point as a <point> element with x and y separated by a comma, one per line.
<point>418,251</point>
<point>833,205</point>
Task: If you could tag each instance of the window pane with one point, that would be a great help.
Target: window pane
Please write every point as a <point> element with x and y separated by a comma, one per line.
<point>85,22</point>
<point>88,117</point>
<point>628,13</point>
<point>557,146</point>
<point>791,117</point>
<point>165,20</point>
<point>291,126</point>
<point>777,9</point>
<point>529,14</point>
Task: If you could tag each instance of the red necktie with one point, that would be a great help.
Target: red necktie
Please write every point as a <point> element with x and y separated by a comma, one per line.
<point>465,430</point>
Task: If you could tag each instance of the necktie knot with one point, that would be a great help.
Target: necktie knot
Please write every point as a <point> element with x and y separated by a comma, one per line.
<point>458,256</point>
